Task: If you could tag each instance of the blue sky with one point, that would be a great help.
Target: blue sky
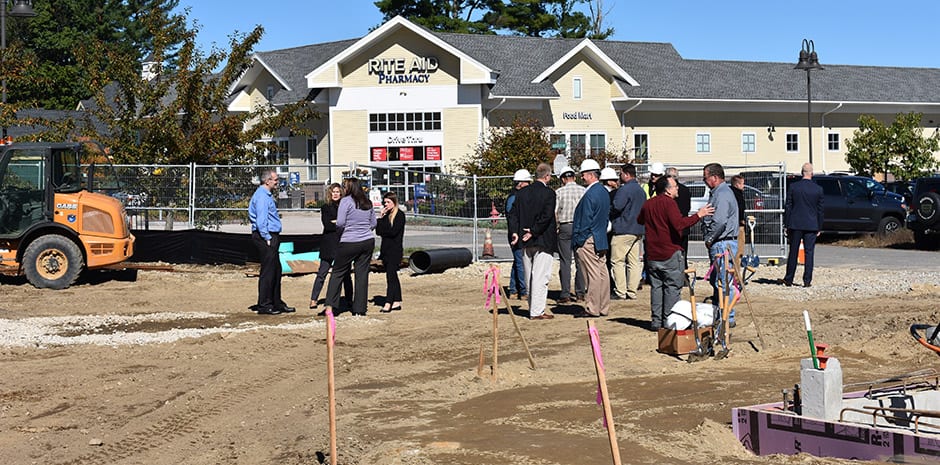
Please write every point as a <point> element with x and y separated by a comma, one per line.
<point>860,32</point>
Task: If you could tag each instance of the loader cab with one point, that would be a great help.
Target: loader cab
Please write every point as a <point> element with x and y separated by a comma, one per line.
<point>30,176</point>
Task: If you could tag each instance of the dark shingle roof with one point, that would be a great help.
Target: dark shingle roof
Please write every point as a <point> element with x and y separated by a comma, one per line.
<point>292,64</point>
<point>661,72</point>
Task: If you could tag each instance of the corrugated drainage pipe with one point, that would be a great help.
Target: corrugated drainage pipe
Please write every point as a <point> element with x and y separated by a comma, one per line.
<point>437,260</point>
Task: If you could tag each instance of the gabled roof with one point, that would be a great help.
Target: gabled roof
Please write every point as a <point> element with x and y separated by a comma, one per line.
<point>390,27</point>
<point>292,64</point>
<point>588,48</point>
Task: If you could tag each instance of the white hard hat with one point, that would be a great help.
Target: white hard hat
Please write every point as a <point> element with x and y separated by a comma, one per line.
<point>522,175</point>
<point>589,165</point>
<point>608,174</point>
<point>657,168</point>
<point>565,170</point>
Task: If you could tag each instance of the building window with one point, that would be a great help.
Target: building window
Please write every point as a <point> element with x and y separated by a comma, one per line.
<point>270,93</point>
<point>703,143</point>
<point>576,88</point>
<point>277,153</point>
<point>598,145</point>
<point>312,159</point>
<point>793,142</point>
<point>398,122</point>
<point>641,147</point>
<point>749,142</point>
<point>833,141</point>
<point>578,144</point>
<point>558,143</point>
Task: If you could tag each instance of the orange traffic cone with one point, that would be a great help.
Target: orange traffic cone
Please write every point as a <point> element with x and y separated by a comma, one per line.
<point>488,245</point>
<point>801,256</point>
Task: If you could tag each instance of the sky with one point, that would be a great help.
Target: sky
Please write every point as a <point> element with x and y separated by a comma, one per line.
<point>861,32</point>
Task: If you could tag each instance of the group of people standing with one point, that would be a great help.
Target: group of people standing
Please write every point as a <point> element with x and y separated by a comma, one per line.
<point>349,226</point>
<point>602,226</point>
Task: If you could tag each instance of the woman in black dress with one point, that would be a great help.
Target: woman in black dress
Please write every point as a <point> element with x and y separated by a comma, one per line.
<point>328,244</point>
<point>391,228</point>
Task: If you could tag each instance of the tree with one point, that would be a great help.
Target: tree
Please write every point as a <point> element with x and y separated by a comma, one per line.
<point>900,149</point>
<point>507,148</point>
<point>181,116</point>
<point>49,41</point>
<point>533,18</point>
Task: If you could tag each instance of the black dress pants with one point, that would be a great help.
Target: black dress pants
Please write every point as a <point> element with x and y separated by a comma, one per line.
<point>393,286</point>
<point>349,255</point>
<point>269,281</point>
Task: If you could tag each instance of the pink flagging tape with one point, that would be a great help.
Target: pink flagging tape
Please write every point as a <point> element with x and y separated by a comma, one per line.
<point>596,347</point>
<point>332,322</point>
<point>491,286</point>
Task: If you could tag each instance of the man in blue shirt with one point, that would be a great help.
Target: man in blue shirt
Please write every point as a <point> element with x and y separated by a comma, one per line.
<point>720,229</point>
<point>265,232</point>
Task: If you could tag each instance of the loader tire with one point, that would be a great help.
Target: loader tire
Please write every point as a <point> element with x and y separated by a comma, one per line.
<point>52,262</point>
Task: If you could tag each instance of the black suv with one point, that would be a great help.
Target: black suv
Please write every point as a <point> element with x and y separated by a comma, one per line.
<point>924,219</point>
<point>850,207</point>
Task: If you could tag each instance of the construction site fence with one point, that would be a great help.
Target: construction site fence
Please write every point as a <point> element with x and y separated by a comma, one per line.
<point>211,196</point>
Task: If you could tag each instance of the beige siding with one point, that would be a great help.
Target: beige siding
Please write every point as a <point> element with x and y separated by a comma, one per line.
<point>461,130</point>
<point>349,138</point>
<point>326,77</point>
<point>672,137</point>
<point>406,45</point>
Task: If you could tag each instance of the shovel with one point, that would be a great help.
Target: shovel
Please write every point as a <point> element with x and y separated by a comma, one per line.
<point>750,262</point>
<point>699,353</point>
<point>722,335</point>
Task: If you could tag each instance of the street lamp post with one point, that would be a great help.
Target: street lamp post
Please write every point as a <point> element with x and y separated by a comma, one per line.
<point>21,9</point>
<point>809,61</point>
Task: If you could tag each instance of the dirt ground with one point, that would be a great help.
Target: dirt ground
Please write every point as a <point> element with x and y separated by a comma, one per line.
<point>249,389</point>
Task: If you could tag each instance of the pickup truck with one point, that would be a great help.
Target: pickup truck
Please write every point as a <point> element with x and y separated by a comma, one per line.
<point>852,208</point>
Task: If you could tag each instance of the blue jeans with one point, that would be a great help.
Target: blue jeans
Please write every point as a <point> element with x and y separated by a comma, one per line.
<point>719,276</point>
<point>517,275</point>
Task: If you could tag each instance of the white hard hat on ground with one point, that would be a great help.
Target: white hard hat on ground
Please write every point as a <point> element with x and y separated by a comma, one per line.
<point>657,168</point>
<point>589,165</point>
<point>608,174</point>
<point>522,175</point>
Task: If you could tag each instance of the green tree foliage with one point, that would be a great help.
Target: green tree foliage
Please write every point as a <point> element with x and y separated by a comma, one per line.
<point>507,148</point>
<point>49,42</point>
<point>533,18</point>
<point>900,149</point>
<point>180,116</point>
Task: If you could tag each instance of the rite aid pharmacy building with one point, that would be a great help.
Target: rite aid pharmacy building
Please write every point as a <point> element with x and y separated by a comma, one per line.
<point>406,96</point>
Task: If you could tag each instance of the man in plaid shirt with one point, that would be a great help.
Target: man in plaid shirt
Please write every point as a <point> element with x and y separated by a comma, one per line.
<point>568,196</point>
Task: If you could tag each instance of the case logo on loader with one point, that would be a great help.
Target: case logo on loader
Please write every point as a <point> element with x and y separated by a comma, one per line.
<point>67,206</point>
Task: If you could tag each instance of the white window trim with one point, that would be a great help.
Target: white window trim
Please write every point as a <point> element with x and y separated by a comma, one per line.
<point>281,169</point>
<point>838,136</point>
<point>649,149</point>
<point>312,173</point>
<point>577,88</point>
<point>742,141</point>
<point>700,133</point>
<point>799,143</point>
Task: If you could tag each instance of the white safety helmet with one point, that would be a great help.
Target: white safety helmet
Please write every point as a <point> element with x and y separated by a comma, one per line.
<point>608,174</point>
<point>522,175</point>
<point>657,168</point>
<point>566,170</point>
<point>589,165</point>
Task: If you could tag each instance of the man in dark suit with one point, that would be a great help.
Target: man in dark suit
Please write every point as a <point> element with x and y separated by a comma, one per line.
<point>803,218</point>
<point>532,223</point>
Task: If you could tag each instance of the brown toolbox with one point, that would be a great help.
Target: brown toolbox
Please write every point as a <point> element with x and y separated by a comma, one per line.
<point>682,341</point>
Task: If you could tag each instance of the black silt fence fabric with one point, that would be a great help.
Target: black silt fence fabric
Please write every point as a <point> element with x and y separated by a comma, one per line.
<point>208,247</point>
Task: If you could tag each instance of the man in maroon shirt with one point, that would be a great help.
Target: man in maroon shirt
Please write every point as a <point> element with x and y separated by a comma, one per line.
<point>664,225</point>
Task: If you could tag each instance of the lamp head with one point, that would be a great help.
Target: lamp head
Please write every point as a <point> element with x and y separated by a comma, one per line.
<point>22,9</point>
<point>808,58</point>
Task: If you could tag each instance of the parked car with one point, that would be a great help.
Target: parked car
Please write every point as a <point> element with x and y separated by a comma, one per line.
<point>924,218</point>
<point>879,189</point>
<point>851,207</point>
<point>903,188</point>
<point>768,229</point>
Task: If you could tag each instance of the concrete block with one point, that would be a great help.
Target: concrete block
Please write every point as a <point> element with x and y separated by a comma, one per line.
<point>821,390</point>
